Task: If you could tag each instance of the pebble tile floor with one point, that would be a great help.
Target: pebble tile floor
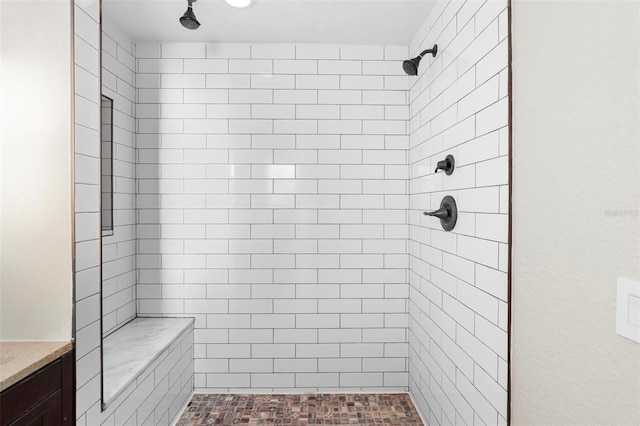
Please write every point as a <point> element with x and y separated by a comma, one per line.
<point>313,409</point>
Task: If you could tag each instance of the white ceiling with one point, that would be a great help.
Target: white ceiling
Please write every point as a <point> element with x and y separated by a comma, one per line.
<point>390,22</point>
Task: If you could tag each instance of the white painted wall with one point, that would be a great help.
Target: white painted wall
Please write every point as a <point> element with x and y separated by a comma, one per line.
<point>576,155</point>
<point>36,242</point>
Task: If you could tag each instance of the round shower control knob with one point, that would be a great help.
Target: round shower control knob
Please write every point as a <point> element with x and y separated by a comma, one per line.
<point>447,213</point>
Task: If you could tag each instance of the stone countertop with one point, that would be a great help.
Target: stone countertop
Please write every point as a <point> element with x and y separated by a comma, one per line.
<point>19,359</point>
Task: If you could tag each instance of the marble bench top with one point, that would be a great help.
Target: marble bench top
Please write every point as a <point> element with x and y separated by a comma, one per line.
<point>130,349</point>
<point>19,359</point>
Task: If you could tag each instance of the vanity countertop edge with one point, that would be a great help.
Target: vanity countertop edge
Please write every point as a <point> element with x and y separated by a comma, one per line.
<point>20,359</point>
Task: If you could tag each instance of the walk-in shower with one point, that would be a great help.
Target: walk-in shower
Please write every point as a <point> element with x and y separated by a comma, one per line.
<point>271,177</point>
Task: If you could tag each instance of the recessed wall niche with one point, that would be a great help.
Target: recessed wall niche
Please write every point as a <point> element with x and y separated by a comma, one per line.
<point>106,159</point>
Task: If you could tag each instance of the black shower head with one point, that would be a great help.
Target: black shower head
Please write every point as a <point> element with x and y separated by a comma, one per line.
<point>188,20</point>
<point>410,66</point>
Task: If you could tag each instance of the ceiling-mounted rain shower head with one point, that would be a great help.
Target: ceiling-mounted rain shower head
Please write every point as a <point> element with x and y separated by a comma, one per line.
<point>188,20</point>
<point>410,66</point>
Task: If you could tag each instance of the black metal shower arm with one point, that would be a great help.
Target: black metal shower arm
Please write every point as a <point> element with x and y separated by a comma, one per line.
<point>433,51</point>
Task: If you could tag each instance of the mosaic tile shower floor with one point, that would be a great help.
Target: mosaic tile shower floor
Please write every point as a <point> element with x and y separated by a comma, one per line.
<point>312,409</point>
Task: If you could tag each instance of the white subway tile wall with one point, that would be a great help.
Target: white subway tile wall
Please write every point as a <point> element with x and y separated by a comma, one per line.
<point>272,207</point>
<point>119,249</point>
<point>458,280</point>
<point>159,394</point>
<point>87,207</point>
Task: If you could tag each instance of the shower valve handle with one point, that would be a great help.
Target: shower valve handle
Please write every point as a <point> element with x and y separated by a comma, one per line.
<point>443,213</point>
<point>442,165</point>
<point>448,164</point>
<point>447,213</point>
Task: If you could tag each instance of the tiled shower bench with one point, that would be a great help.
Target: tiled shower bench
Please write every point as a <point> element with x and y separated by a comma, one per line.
<point>148,372</point>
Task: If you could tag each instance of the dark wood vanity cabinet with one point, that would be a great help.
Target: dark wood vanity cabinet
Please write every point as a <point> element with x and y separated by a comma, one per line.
<point>44,398</point>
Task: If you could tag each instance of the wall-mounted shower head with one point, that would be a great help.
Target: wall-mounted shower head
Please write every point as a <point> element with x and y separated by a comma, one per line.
<point>188,20</point>
<point>410,66</point>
